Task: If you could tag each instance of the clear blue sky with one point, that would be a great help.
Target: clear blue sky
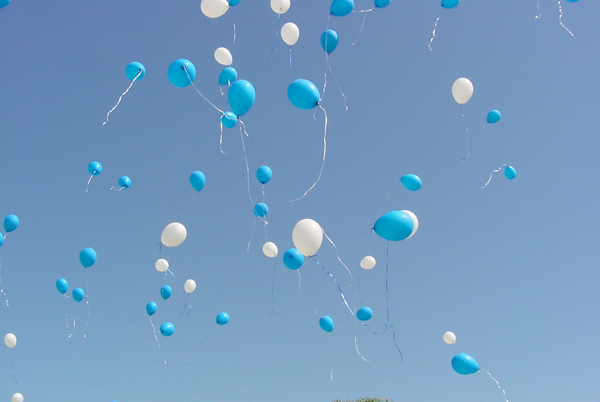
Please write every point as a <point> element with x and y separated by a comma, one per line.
<point>511,269</point>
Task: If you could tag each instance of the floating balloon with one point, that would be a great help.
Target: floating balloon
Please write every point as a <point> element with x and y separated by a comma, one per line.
<point>449,338</point>
<point>167,329</point>
<point>415,222</point>
<point>307,236</point>
<point>227,76</point>
<point>450,3</point>
<point>189,286</point>
<point>493,116</point>
<point>1,240</point>
<point>394,226</point>
<point>339,8</point>
<point>241,97</point>
<point>510,172</point>
<point>411,182</point>
<point>367,262</point>
<point>173,234</point>
<point>151,308</point>
<point>166,291</point>
<point>264,174</point>
<point>197,180</point>
<point>303,94</point>
<point>124,182</point>
<point>571,1</point>
<point>382,3</point>
<point>293,259</point>
<point>364,313</point>
<point>222,318</point>
<point>280,6</point>
<point>462,90</point>
<point>87,257</point>
<point>134,70</point>
<point>290,33</point>
<point>161,265</point>
<point>326,323</point>
<point>229,119</point>
<point>78,294</point>
<point>223,56</point>
<point>4,3</point>
<point>270,249</point>
<point>214,8</point>
<point>329,40</point>
<point>464,364</point>
<point>62,285</point>
<point>182,72</point>
<point>233,3</point>
<point>95,168</point>
<point>261,209</point>
<point>11,222</point>
<point>10,340</point>
<point>16,397</point>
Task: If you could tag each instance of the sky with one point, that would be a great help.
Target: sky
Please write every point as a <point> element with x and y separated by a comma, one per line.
<point>511,269</point>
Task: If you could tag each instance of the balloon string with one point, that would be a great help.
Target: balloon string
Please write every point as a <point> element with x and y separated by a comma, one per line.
<point>363,23</point>
<point>12,362</point>
<point>205,336</point>
<point>117,189</point>
<point>340,88</point>
<point>493,171</point>
<point>387,297</point>
<point>88,183</point>
<point>338,255</point>
<point>1,287</point>
<point>122,95</point>
<point>300,290</point>
<point>539,11</point>
<point>433,34</point>
<point>470,138</point>
<point>336,282</point>
<point>291,69</point>
<point>356,347</point>
<point>560,19</point>
<point>87,302</point>
<point>275,38</point>
<point>252,236</point>
<point>186,304</point>
<point>221,138</point>
<point>273,288</point>
<point>156,337</point>
<point>233,22</point>
<point>497,383</point>
<point>200,93</point>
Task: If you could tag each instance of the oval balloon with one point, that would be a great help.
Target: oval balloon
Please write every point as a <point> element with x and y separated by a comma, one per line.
<point>326,323</point>
<point>234,3</point>
<point>261,210</point>
<point>95,168</point>
<point>161,265</point>
<point>290,33</point>
<point>493,116</point>
<point>382,3</point>
<point>78,294</point>
<point>510,172</point>
<point>227,76</point>
<point>394,226</point>
<point>167,329</point>
<point>214,8</point>
<point>124,182</point>
<point>181,72</point>
<point>62,285</point>
<point>449,338</point>
<point>364,314</point>
<point>16,397</point>
<point>450,3</point>
<point>415,222</point>
<point>151,308</point>
<point>241,97</point>
<point>134,70</point>
<point>329,40</point>
<point>462,90</point>
<point>189,286</point>
<point>368,262</point>
<point>222,318</point>
<point>173,234</point>
<point>264,174</point>
<point>303,94</point>
<point>411,182</point>
<point>339,8</point>
<point>1,240</point>
<point>10,340</point>
<point>87,257</point>
<point>464,364</point>
<point>307,236</point>
<point>229,119</point>
<point>223,56</point>
<point>166,291</point>
<point>270,249</point>
<point>197,180</point>
<point>11,222</point>
<point>293,259</point>
<point>4,3</point>
<point>280,6</point>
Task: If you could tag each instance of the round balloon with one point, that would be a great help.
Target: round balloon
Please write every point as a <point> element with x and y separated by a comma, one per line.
<point>462,90</point>
<point>329,40</point>
<point>493,116</point>
<point>95,168</point>
<point>415,222</point>
<point>464,364</point>
<point>166,291</point>
<point>450,3</point>
<point>78,294</point>
<point>16,397</point>
<point>449,338</point>
<point>290,33</point>
<point>87,257</point>
<point>326,323</point>
<point>189,286</point>
<point>197,180</point>
<point>264,174</point>
<point>270,249</point>
<point>167,329</point>
<point>181,72</point>
<point>510,172</point>
<point>394,226</point>
<point>303,94</point>
<point>339,8</point>
<point>382,3</point>
<point>241,97</point>
<point>364,314</point>
<point>124,182</point>
<point>227,76</point>
<point>161,265</point>
<point>151,308</point>
<point>280,6</point>
<point>293,259</point>
<point>4,3</point>
<point>368,262</point>
<point>10,340</point>
<point>411,182</point>
<point>1,240</point>
<point>11,222</point>
<point>261,210</point>
<point>229,119</point>
<point>214,8</point>
<point>134,69</point>
<point>62,285</point>
<point>234,3</point>
<point>222,318</point>
<point>223,56</point>
<point>173,234</point>
<point>307,236</point>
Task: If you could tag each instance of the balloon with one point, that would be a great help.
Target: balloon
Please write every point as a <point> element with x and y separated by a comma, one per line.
<point>411,182</point>
<point>189,286</point>
<point>229,119</point>
<point>290,33</point>
<point>167,329</point>
<point>303,94</point>
<point>307,236</point>
<point>78,294</point>
<point>241,97</point>
<point>367,262</point>
<point>450,3</point>
<point>464,364</point>
<point>173,234</point>
<point>493,116</point>
<point>17,397</point>
<point>339,8</point>
<point>10,340</point>
<point>1,240</point>
<point>11,222</point>
<point>4,3</point>
<point>280,6</point>
<point>151,308</point>
<point>181,72</point>
<point>87,257</point>
<point>571,1</point>
<point>394,226</point>
<point>364,314</point>
<point>166,291</point>
<point>133,69</point>
<point>161,265</point>
<point>197,180</point>
<point>510,172</point>
<point>415,222</point>
<point>62,285</point>
<point>264,174</point>
<point>223,56</point>
<point>95,168</point>
<point>326,323</point>
<point>329,40</point>
<point>449,338</point>
<point>293,259</point>
<point>227,76</point>
<point>124,182</point>
<point>261,209</point>
<point>214,8</point>
<point>270,249</point>
<point>382,3</point>
<point>462,90</point>
<point>233,3</point>
<point>222,318</point>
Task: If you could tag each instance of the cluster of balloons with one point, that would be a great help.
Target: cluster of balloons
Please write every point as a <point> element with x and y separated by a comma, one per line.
<point>87,258</point>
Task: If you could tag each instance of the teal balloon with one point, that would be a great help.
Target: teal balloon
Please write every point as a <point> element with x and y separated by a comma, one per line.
<point>222,318</point>
<point>124,182</point>
<point>293,259</point>
<point>78,294</point>
<point>411,182</point>
<point>62,285</point>
<point>133,69</point>
<point>326,323</point>
<point>339,8</point>
<point>233,3</point>
<point>1,240</point>
<point>151,308</point>
<point>264,174</point>
<point>493,116</point>
<point>394,226</point>
<point>166,291</point>
<point>4,3</point>
<point>177,73</point>
<point>571,1</point>
<point>167,329</point>
<point>382,3</point>
<point>229,119</point>
<point>87,257</point>
<point>303,94</point>
<point>197,180</point>
<point>450,3</point>
<point>95,168</point>
<point>364,314</point>
<point>510,172</point>
<point>11,222</point>
<point>464,364</point>
<point>227,76</point>
<point>329,40</point>
<point>241,97</point>
<point>261,210</point>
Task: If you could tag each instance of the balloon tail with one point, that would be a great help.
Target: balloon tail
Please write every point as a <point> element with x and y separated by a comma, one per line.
<point>88,183</point>
<point>200,93</point>
<point>387,299</point>
<point>493,171</point>
<point>363,23</point>
<point>12,363</point>
<point>1,287</point>
<point>273,289</point>
<point>185,305</point>
<point>121,97</point>
<point>205,336</point>
<point>291,69</point>
<point>356,347</point>
<point>117,188</point>
<point>221,140</point>
<point>336,282</point>
<point>252,236</point>
<point>156,337</point>
<point>539,11</point>
<point>560,19</point>
<point>338,255</point>
<point>275,38</point>
<point>87,302</point>
<point>497,383</point>
<point>470,138</point>
<point>300,290</point>
<point>433,34</point>
<point>340,88</point>
<point>233,22</point>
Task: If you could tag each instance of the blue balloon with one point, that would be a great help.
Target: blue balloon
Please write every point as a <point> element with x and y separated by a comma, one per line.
<point>229,119</point>
<point>510,172</point>
<point>293,259</point>
<point>78,294</point>
<point>4,3</point>
<point>151,308</point>
<point>339,8</point>
<point>382,3</point>
<point>95,168</point>
<point>326,323</point>
<point>303,94</point>
<point>87,257</point>
<point>1,240</point>
<point>364,314</point>
<point>450,3</point>
<point>11,222</point>
<point>133,69</point>
<point>329,40</point>
<point>222,318</point>
<point>233,3</point>
<point>261,209</point>
<point>264,174</point>
<point>227,76</point>
<point>166,292</point>
<point>411,182</point>
<point>167,329</point>
<point>62,285</point>
<point>394,226</point>
<point>571,1</point>
<point>241,97</point>
<point>124,182</point>
<point>493,116</point>
<point>197,180</point>
<point>464,364</point>
<point>177,73</point>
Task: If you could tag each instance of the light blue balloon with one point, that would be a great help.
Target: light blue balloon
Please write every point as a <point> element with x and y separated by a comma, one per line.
<point>166,291</point>
<point>78,294</point>
<point>464,364</point>
<point>62,285</point>
<point>11,222</point>
<point>124,182</point>
<point>261,210</point>
<point>394,226</point>
<point>4,3</point>
<point>493,116</point>
<point>264,174</point>
<point>510,172</point>
<point>151,308</point>
<point>167,329</point>
<point>382,3</point>
<point>411,182</point>
<point>133,69</point>
<point>222,318</point>
<point>197,180</point>
<point>95,168</point>
<point>241,97</point>
<point>227,76</point>
<point>339,8</point>
<point>177,73</point>
<point>329,40</point>
<point>303,94</point>
<point>229,119</point>
<point>364,314</point>
<point>233,3</point>
<point>293,259</point>
<point>1,240</point>
<point>571,1</point>
<point>450,3</point>
<point>87,257</point>
<point>326,323</point>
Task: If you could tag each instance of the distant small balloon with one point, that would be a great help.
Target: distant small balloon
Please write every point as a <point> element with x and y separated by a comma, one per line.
<point>189,286</point>
<point>293,259</point>
<point>227,76</point>
<point>329,40</point>
<point>270,249</point>
<point>382,3</point>
<point>290,33</point>
<point>4,3</point>
<point>493,116</point>
<point>462,90</point>
<point>78,294</point>
<point>161,265</point>
<point>214,8</point>
<point>62,285</point>
<point>11,222</point>
<point>173,234</point>
<point>124,182</point>
<point>280,6</point>
<point>464,364</point>
<point>87,257</point>
<point>326,323</point>
<point>395,226</point>
<point>261,210</point>
<point>197,180</point>
<point>229,119</point>
<point>16,397</point>
<point>340,8</point>
<point>368,262</point>
<point>95,168</point>
<point>411,182</point>
<point>167,329</point>
<point>264,174</point>
<point>449,338</point>
<point>223,56</point>
<point>241,97</point>
<point>182,72</point>
<point>166,291</point>
<point>134,70</point>
<point>222,318</point>
<point>303,94</point>
<point>10,340</point>
<point>151,308</point>
<point>510,172</point>
<point>450,3</point>
<point>364,313</point>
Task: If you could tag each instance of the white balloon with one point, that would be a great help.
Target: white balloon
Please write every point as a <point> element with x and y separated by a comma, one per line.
<point>17,397</point>
<point>290,33</point>
<point>10,340</point>
<point>161,265</point>
<point>223,56</point>
<point>270,249</point>
<point>462,90</point>
<point>173,234</point>
<point>415,222</point>
<point>307,237</point>
<point>189,286</point>
<point>214,8</point>
<point>280,6</point>
<point>368,262</point>
<point>449,338</point>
